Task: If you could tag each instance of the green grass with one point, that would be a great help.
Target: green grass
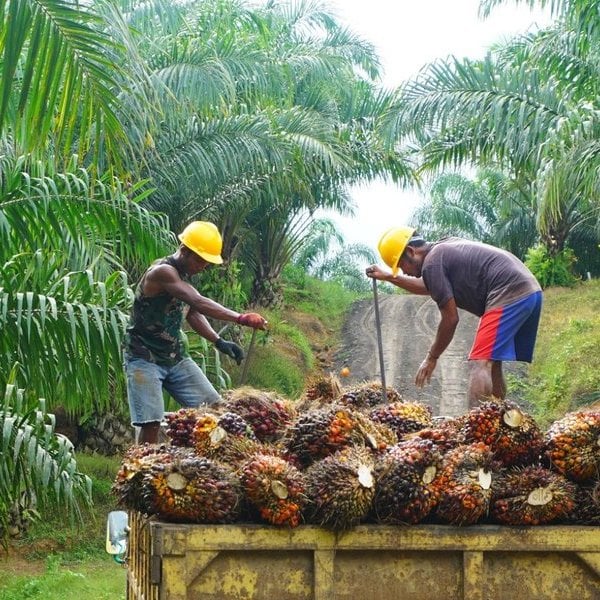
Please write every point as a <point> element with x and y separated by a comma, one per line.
<point>564,375</point>
<point>68,561</point>
<point>101,579</point>
<point>327,301</point>
<point>310,320</point>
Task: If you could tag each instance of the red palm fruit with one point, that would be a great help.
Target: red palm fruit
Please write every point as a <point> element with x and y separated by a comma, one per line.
<point>405,481</point>
<point>193,489</point>
<point>445,434</point>
<point>267,414</point>
<point>340,488</point>
<point>512,434</point>
<point>210,432</point>
<point>180,425</point>
<point>368,395</point>
<point>403,417</point>
<point>138,461</point>
<point>464,486</point>
<point>532,495</point>
<point>573,445</point>
<point>322,432</point>
<point>587,504</point>
<point>275,489</point>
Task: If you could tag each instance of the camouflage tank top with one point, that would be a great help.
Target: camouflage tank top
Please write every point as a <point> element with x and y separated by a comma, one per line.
<point>154,329</point>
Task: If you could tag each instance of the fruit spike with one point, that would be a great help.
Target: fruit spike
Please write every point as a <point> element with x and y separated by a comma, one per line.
<point>403,417</point>
<point>192,489</point>
<point>368,395</point>
<point>267,414</point>
<point>512,434</point>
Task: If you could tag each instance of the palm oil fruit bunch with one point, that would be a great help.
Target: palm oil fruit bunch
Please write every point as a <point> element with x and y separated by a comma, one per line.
<point>324,389</point>
<point>573,445</point>
<point>587,504</point>
<point>340,488</point>
<point>275,488</point>
<point>465,484</point>
<point>368,395</point>
<point>319,433</point>
<point>445,434</point>
<point>512,434</point>
<point>520,441</point>
<point>193,489</point>
<point>376,436</point>
<point>211,431</point>
<point>137,461</point>
<point>406,491</point>
<point>532,495</point>
<point>403,417</point>
<point>180,426</point>
<point>266,413</point>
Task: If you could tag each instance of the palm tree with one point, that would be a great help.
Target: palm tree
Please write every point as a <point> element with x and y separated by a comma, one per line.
<point>529,109</point>
<point>488,209</point>
<point>277,117</point>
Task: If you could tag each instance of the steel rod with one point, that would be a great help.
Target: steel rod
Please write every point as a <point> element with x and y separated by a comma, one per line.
<point>379,340</point>
<point>247,359</point>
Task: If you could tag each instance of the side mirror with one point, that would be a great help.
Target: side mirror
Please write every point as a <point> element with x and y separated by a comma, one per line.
<point>117,532</point>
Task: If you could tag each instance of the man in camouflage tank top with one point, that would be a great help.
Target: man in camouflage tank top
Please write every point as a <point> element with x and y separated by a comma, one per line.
<point>155,354</point>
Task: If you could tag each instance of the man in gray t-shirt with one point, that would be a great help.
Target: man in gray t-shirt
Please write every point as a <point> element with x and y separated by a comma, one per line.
<point>486,281</point>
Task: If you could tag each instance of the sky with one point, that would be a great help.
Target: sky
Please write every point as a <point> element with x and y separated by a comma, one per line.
<point>407,35</point>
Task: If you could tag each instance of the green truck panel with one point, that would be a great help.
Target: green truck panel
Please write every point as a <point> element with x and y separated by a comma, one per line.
<point>370,562</point>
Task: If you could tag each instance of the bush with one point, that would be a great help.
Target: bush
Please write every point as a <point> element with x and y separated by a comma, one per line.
<point>551,270</point>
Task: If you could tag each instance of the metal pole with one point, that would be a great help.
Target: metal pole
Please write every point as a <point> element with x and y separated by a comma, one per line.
<point>379,341</point>
<point>247,359</point>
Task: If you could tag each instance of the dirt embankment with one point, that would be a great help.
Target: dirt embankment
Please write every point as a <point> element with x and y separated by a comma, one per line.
<point>408,326</point>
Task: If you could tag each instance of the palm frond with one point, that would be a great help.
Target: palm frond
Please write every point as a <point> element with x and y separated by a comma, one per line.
<point>36,462</point>
<point>58,75</point>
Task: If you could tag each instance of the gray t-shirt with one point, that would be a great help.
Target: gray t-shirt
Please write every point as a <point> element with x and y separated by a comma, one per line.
<point>479,277</point>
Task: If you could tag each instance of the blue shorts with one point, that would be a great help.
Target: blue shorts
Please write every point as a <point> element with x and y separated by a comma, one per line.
<point>185,382</point>
<point>508,332</point>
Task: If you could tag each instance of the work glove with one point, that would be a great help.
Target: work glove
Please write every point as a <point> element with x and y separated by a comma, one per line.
<point>230,349</point>
<point>252,320</point>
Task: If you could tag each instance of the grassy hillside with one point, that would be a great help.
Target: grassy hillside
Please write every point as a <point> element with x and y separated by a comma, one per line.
<point>301,339</point>
<point>565,375</point>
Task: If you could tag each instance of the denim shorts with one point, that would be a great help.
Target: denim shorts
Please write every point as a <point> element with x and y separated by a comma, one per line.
<point>185,382</point>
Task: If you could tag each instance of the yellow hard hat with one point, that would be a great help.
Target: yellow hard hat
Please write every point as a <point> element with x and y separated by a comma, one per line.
<point>392,244</point>
<point>204,239</point>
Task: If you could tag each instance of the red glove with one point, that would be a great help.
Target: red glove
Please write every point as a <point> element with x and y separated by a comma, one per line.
<point>252,320</point>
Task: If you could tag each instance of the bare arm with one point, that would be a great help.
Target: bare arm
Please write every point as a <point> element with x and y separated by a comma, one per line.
<point>443,337</point>
<point>414,285</point>
<point>165,279</point>
<point>199,323</point>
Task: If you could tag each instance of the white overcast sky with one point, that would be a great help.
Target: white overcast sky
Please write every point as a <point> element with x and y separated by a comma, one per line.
<point>407,35</point>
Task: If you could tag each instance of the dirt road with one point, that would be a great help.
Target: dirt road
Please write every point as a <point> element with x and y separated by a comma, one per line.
<point>408,327</point>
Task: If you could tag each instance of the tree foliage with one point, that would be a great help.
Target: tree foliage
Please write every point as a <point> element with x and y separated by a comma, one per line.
<point>528,109</point>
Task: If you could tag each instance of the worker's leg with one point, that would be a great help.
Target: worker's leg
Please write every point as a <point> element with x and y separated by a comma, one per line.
<point>480,382</point>
<point>504,333</point>
<point>144,393</point>
<point>149,433</point>
<point>498,382</point>
<point>189,385</point>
